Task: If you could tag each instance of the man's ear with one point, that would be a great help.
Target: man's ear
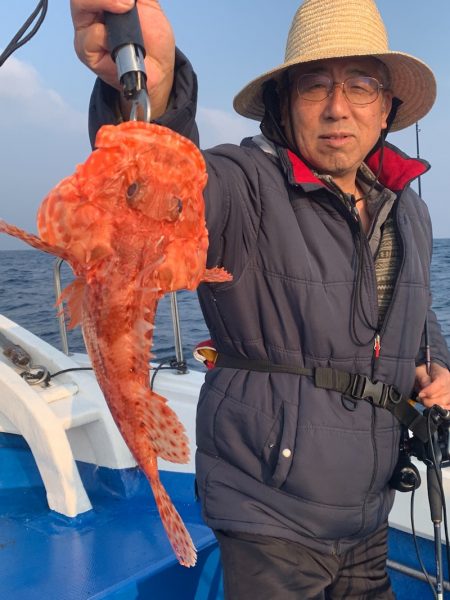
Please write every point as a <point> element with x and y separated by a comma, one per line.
<point>386,108</point>
<point>285,102</point>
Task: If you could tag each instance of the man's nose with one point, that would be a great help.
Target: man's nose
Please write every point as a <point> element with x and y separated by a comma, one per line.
<point>337,104</point>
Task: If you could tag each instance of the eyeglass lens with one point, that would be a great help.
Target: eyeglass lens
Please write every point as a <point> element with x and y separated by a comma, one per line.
<point>358,90</point>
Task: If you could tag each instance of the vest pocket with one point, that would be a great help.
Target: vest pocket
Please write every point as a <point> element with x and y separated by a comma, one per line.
<point>252,440</point>
<point>282,451</point>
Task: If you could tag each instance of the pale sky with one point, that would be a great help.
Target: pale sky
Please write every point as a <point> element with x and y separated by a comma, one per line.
<point>44,89</point>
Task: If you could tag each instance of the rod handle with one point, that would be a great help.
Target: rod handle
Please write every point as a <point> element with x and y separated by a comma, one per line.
<point>434,494</point>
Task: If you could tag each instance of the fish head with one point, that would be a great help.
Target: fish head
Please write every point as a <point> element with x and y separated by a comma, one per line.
<point>161,174</point>
<point>138,197</point>
<point>155,178</point>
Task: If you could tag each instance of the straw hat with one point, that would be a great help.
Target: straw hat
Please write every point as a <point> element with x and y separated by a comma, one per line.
<point>337,28</point>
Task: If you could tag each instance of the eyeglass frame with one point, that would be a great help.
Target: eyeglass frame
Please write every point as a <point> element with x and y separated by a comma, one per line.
<point>380,87</point>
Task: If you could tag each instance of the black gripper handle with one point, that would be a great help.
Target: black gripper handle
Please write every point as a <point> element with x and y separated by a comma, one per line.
<point>123,29</point>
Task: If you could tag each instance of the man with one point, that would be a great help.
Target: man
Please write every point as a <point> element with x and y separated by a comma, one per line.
<point>330,251</point>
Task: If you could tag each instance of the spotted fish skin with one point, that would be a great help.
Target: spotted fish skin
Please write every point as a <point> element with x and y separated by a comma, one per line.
<point>130,222</point>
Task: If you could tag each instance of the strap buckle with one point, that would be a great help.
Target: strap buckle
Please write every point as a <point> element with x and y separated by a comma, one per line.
<point>364,388</point>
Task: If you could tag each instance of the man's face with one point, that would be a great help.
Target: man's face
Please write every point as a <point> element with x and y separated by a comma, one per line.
<point>334,135</point>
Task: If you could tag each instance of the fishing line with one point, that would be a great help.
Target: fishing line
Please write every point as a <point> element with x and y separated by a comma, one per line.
<point>17,41</point>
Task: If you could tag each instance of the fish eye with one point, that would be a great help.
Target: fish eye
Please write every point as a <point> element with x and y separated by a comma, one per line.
<point>179,205</point>
<point>132,189</point>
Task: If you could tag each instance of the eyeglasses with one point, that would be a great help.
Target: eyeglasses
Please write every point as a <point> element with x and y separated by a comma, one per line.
<point>358,90</point>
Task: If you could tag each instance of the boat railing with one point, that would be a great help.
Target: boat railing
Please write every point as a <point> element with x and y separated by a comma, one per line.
<point>177,333</point>
<point>179,363</point>
<point>61,319</point>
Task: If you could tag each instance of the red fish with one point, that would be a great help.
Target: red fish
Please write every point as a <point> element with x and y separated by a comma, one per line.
<point>130,222</point>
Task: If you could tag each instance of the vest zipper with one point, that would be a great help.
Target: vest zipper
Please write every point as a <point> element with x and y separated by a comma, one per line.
<point>363,238</point>
<point>377,346</point>
<point>376,352</point>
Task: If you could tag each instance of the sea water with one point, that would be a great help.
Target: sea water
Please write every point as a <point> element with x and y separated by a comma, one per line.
<point>27,297</point>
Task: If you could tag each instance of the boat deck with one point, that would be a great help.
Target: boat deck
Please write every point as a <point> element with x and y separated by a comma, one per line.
<point>118,550</point>
<point>402,550</point>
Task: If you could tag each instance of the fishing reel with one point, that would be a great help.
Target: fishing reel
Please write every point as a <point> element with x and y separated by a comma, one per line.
<point>406,476</point>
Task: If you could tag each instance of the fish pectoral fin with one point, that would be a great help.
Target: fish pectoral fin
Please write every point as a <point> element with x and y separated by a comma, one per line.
<point>147,279</point>
<point>33,240</point>
<point>178,535</point>
<point>216,275</point>
<point>73,296</point>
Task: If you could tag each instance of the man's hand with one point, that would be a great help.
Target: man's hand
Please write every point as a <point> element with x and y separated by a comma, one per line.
<point>91,44</point>
<point>433,388</point>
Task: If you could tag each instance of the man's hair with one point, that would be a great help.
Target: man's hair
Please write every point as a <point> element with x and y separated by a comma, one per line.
<point>385,75</point>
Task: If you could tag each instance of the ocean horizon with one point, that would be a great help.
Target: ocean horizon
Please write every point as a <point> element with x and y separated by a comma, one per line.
<point>27,297</point>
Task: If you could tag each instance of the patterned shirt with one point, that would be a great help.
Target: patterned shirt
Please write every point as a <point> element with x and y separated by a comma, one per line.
<point>381,236</point>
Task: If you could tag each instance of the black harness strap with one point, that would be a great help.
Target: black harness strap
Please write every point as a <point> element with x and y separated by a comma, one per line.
<point>353,385</point>
<point>264,366</point>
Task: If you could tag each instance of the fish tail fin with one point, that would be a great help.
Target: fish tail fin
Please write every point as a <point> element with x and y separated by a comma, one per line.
<point>177,533</point>
<point>217,275</point>
<point>73,296</point>
<point>167,433</point>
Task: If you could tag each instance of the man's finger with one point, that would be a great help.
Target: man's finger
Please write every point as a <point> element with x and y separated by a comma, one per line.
<point>85,12</point>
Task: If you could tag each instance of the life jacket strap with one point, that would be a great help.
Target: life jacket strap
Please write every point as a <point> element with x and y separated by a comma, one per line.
<point>352,385</point>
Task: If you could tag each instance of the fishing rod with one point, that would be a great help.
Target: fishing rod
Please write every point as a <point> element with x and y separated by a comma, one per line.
<point>426,328</point>
<point>419,184</point>
<point>435,454</point>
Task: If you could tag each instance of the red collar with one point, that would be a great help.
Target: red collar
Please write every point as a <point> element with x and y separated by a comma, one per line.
<point>397,171</point>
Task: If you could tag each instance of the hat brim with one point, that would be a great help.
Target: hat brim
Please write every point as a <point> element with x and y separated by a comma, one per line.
<point>412,81</point>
